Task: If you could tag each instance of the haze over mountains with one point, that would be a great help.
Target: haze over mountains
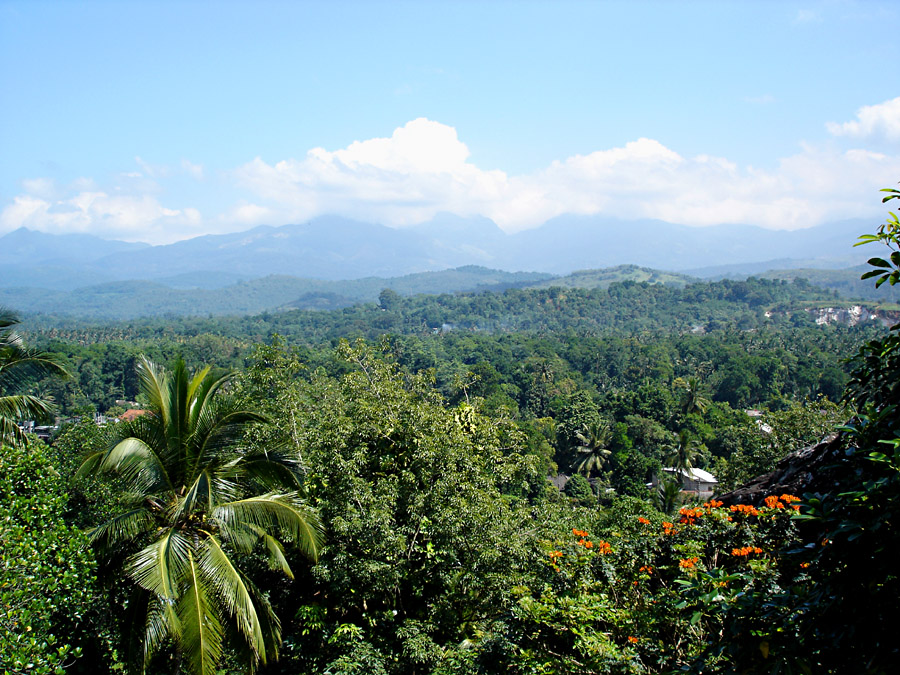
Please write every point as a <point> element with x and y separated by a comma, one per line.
<point>336,248</point>
<point>270,267</point>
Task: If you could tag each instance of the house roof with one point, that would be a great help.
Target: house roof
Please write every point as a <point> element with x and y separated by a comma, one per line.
<point>129,415</point>
<point>695,474</point>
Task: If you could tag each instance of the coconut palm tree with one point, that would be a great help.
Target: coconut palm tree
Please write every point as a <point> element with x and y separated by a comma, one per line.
<point>667,495</point>
<point>592,447</point>
<point>19,363</point>
<point>193,500</point>
<point>692,398</point>
<point>683,454</point>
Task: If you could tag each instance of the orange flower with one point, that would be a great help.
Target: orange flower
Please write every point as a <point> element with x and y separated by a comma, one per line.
<point>643,521</point>
<point>746,550</point>
<point>712,504</point>
<point>773,503</point>
<point>555,554</point>
<point>746,509</point>
<point>646,568</point>
<point>804,565</point>
<point>579,533</point>
<point>787,499</point>
<point>604,547</point>
<point>688,563</point>
<point>632,639</point>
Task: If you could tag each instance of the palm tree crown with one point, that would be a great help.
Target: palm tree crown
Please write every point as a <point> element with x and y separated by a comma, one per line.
<point>193,500</point>
<point>683,454</point>
<point>17,364</point>
<point>592,446</point>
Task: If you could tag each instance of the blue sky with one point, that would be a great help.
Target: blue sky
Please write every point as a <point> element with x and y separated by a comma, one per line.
<point>158,121</point>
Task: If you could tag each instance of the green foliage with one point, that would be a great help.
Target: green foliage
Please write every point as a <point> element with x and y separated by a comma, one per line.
<point>427,460</point>
<point>759,443</point>
<point>47,586</point>
<point>20,365</point>
<point>427,511</point>
<point>195,503</point>
<point>889,235</point>
<point>578,489</point>
<point>635,593</point>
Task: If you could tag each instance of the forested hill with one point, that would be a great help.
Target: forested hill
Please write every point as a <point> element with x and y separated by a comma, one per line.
<point>626,306</point>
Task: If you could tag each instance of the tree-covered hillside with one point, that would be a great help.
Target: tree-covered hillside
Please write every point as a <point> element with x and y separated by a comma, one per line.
<point>472,483</point>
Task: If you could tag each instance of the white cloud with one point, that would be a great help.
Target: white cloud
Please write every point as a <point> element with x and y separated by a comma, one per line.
<point>129,217</point>
<point>40,187</point>
<point>881,120</point>
<point>423,168</point>
<point>419,170</point>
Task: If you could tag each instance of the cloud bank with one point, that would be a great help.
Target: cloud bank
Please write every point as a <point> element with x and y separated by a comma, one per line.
<point>872,121</point>
<point>423,168</point>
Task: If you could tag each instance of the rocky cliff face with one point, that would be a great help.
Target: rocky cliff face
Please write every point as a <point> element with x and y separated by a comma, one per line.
<point>854,315</point>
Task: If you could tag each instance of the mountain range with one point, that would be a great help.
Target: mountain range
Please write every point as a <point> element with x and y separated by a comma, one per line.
<point>269,267</point>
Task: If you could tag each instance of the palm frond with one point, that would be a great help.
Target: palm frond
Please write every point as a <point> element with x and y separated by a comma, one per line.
<point>271,469</point>
<point>8,317</point>
<point>241,536</point>
<point>230,584</point>
<point>284,513</point>
<point>10,433</point>
<point>19,363</point>
<point>199,494</point>
<point>201,626</point>
<point>154,385</point>
<point>161,624</point>
<point>162,566</point>
<point>138,464</point>
<point>24,407</point>
<point>271,626</point>
<point>198,388</point>
<point>277,559</point>
<point>122,528</point>
<point>222,426</point>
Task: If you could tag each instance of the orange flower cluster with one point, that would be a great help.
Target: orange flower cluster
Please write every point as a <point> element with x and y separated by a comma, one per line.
<point>712,504</point>
<point>554,559</point>
<point>583,538</point>
<point>646,568</point>
<point>689,516</point>
<point>668,528</point>
<point>746,550</point>
<point>688,563</point>
<point>633,640</point>
<point>746,509</point>
<point>643,521</point>
<point>774,502</point>
<point>603,547</point>
<point>804,565</point>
